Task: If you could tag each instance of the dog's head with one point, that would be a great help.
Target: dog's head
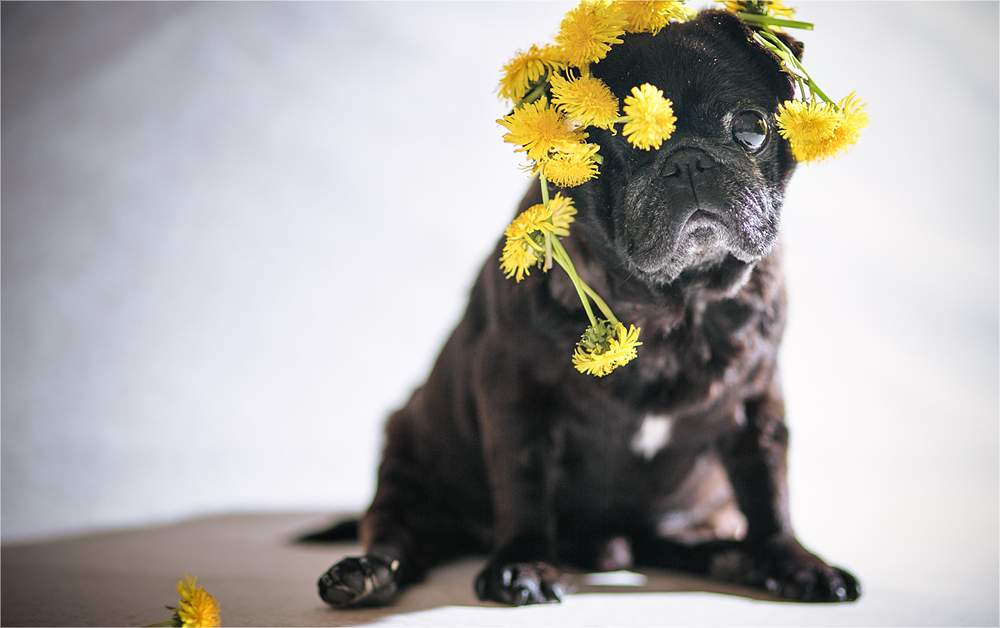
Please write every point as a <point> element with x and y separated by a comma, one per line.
<point>712,193</point>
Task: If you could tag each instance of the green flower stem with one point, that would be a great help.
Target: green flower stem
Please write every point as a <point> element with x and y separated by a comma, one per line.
<point>534,94</point>
<point>802,85</point>
<point>582,288</point>
<point>814,88</point>
<point>780,22</point>
<point>548,236</point>
<point>554,250</point>
<point>778,47</point>
<point>601,304</point>
<point>531,242</point>
<point>562,258</point>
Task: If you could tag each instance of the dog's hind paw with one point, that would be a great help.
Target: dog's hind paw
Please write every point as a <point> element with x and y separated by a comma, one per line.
<point>518,584</point>
<point>359,581</point>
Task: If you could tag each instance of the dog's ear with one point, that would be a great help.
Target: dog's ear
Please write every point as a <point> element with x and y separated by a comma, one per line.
<point>727,25</point>
<point>737,28</point>
<point>796,46</point>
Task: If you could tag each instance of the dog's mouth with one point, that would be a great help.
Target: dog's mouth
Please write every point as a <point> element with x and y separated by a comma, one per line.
<point>706,238</point>
<point>695,205</point>
<point>702,231</point>
<point>665,234</point>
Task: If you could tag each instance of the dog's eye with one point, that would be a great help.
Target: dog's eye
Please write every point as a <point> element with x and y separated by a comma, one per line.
<point>750,131</point>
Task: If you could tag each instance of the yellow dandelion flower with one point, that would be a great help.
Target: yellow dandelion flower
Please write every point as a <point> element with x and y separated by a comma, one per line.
<point>623,347</point>
<point>593,363</point>
<point>805,123</point>
<point>523,246</point>
<point>651,117</point>
<point>588,32</point>
<point>517,258</point>
<point>606,356</point>
<point>538,129</point>
<point>853,119</point>
<point>518,253</point>
<point>777,8</point>
<point>650,17</point>
<point>587,101</point>
<point>817,130</point>
<point>774,8</point>
<point>571,165</point>
<point>553,218</point>
<point>527,68</point>
<point>532,219</point>
<point>196,608</point>
<point>561,212</point>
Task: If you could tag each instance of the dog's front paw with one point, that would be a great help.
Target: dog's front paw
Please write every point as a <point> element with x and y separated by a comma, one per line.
<point>813,583</point>
<point>361,581</point>
<point>518,584</point>
<point>794,573</point>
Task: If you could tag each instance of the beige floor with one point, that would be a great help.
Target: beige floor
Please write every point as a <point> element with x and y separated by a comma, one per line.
<point>260,578</point>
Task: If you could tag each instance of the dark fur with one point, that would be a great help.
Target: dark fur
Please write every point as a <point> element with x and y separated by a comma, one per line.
<point>508,449</point>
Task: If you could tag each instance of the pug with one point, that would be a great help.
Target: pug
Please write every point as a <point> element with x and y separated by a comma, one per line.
<point>676,460</point>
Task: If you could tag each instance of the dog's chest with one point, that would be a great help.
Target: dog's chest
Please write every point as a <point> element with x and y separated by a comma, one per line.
<point>691,369</point>
<point>652,436</point>
<point>634,443</point>
<point>633,478</point>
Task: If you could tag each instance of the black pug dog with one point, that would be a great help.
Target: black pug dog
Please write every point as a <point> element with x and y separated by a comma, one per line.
<point>676,460</point>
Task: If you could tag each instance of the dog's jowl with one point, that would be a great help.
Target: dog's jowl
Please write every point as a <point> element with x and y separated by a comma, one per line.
<point>675,460</point>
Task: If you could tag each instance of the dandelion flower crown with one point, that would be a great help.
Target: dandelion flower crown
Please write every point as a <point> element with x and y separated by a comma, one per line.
<point>555,99</point>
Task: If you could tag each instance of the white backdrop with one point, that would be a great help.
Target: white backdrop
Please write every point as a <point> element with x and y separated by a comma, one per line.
<point>235,236</point>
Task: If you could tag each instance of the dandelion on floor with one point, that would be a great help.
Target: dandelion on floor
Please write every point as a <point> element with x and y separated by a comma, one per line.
<point>195,609</point>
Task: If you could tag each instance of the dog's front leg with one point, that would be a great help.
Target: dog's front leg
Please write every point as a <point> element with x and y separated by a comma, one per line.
<point>756,463</point>
<point>520,453</point>
<point>519,571</point>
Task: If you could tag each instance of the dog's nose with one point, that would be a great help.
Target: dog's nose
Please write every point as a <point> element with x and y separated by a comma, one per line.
<point>687,162</point>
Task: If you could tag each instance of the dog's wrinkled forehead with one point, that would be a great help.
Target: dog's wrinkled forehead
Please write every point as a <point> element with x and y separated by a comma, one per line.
<point>705,68</point>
